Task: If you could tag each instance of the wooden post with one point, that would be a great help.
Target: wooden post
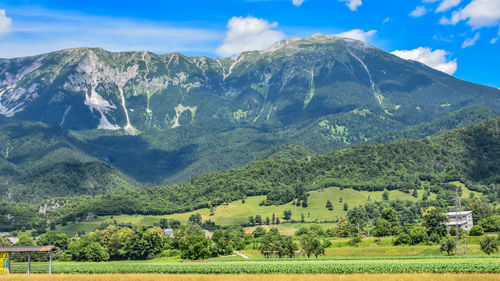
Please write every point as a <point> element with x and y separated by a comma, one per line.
<point>9,263</point>
<point>29,263</point>
<point>50,263</point>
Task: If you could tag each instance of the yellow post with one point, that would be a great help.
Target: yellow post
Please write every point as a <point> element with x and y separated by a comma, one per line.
<point>4,263</point>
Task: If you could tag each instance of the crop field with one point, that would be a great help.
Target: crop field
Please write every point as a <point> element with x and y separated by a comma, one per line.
<point>237,212</point>
<point>254,277</point>
<point>263,266</point>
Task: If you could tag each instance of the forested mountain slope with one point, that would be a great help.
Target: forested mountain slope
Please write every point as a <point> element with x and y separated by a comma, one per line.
<point>470,155</point>
<point>38,161</point>
<point>167,118</point>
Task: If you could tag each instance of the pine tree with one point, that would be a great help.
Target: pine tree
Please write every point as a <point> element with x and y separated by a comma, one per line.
<point>329,205</point>
<point>415,193</point>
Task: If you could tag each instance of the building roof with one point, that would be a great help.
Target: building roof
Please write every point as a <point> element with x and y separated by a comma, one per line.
<point>27,249</point>
<point>459,213</point>
<point>12,240</point>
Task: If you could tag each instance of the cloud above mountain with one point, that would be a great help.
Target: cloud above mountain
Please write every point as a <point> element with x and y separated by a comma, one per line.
<point>248,34</point>
<point>437,59</point>
<point>5,23</point>
<point>358,34</point>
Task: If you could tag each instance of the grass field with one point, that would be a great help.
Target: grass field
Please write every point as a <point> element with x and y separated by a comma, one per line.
<point>237,212</point>
<point>382,247</point>
<point>274,266</point>
<point>257,277</point>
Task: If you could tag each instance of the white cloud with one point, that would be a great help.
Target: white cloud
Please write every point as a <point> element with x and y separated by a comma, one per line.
<point>469,42</point>
<point>297,2</point>
<point>386,20</point>
<point>418,12</point>
<point>352,4</point>
<point>38,31</point>
<point>478,13</point>
<point>455,18</point>
<point>447,4</point>
<point>437,59</point>
<point>248,34</point>
<point>482,13</point>
<point>5,23</point>
<point>358,34</point>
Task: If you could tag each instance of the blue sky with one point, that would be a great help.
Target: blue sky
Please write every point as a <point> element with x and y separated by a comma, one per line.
<point>459,37</point>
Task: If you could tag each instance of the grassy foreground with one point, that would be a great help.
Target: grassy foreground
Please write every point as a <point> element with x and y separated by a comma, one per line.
<point>267,277</point>
<point>273,266</point>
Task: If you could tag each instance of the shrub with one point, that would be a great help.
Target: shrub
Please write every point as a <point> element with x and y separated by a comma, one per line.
<point>476,230</point>
<point>354,241</point>
<point>402,239</point>
<point>418,234</point>
<point>452,231</point>
<point>490,224</point>
<point>434,238</point>
<point>169,253</point>
<point>489,245</point>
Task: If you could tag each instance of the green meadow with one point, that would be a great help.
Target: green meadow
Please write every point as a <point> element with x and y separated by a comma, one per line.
<point>238,212</point>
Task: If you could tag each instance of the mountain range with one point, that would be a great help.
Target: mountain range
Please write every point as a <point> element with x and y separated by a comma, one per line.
<point>88,121</point>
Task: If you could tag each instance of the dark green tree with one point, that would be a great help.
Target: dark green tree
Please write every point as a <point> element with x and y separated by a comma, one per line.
<point>287,215</point>
<point>311,244</point>
<point>329,205</point>
<point>448,245</point>
<point>195,219</point>
<point>195,247</point>
<point>489,245</point>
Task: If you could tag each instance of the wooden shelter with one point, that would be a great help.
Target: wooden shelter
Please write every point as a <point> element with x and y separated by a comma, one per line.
<point>29,250</point>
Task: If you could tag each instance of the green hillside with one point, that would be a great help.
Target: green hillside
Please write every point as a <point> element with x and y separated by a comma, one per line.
<point>38,162</point>
<point>469,155</point>
<point>238,212</point>
<point>454,120</point>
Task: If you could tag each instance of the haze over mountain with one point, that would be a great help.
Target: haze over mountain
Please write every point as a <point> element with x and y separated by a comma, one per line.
<point>167,118</point>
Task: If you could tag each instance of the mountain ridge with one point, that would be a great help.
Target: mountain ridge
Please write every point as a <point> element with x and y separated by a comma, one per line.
<point>190,115</point>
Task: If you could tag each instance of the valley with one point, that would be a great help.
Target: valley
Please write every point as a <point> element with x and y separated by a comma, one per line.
<point>316,155</point>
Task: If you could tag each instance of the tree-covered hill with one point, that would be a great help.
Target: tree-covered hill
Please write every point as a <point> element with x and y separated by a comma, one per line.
<point>38,161</point>
<point>470,155</point>
<point>457,119</point>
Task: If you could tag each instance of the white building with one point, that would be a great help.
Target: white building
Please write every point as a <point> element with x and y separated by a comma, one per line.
<point>168,232</point>
<point>461,219</point>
